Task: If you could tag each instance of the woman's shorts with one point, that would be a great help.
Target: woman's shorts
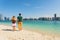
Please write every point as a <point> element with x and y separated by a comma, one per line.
<point>13,24</point>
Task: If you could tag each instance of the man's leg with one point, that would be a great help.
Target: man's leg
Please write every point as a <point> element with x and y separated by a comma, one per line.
<point>20,25</point>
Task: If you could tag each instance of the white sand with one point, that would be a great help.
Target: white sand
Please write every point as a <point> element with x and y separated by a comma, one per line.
<point>6,33</point>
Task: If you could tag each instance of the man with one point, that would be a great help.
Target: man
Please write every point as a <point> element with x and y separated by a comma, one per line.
<point>19,19</point>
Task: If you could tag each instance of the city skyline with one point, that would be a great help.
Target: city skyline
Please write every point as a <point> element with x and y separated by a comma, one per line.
<point>55,18</point>
<point>30,8</point>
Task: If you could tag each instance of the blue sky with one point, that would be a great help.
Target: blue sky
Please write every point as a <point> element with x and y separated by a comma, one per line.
<point>30,8</point>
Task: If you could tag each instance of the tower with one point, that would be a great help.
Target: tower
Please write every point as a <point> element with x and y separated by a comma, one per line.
<point>55,18</point>
<point>1,17</point>
<point>54,15</point>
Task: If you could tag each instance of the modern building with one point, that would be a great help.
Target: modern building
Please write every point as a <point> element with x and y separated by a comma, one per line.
<point>6,18</point>
<point>44,18</point>
<point>54,18</point>
<point>55,15</point>
<point>1,17</point>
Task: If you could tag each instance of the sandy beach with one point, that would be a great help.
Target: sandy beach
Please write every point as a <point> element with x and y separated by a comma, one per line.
<point>6,33</point>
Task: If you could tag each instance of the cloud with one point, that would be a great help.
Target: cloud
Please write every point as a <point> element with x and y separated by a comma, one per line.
<point>27,4</point>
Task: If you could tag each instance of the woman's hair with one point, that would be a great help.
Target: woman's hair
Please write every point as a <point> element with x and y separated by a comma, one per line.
<point>13,19</point>
<point>13,16</point>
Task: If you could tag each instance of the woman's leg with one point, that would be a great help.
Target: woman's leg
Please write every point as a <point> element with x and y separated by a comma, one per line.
<point>13,28</point>
<point>14,25</point>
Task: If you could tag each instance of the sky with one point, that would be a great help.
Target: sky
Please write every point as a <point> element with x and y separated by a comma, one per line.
<point>30,8</point>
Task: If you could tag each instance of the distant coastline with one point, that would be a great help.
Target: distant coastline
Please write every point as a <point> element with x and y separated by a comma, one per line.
<point>55,18</point>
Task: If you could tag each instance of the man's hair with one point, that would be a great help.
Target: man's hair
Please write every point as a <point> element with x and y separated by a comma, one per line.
<point>19,13</point>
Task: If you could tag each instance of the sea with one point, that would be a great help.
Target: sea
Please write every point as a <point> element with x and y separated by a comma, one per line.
<point>52,27</point>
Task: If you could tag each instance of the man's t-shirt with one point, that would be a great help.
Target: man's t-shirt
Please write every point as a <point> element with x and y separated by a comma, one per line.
<point>19,18</point>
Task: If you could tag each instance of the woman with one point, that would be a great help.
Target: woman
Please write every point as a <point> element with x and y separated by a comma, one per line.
<point>13,23</point>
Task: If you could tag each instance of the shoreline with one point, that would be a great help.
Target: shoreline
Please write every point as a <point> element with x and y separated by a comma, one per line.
<point>24,34</point>
<point>40,32</point>
<point>43,32</point>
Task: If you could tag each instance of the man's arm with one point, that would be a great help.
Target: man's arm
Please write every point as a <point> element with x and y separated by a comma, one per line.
<point>22,18</point>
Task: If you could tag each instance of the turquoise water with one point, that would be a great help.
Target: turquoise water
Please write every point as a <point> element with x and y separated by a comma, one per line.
<point>36,25</point>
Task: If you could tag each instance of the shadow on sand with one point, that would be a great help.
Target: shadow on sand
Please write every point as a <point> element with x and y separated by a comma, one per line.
<point>8,30</point>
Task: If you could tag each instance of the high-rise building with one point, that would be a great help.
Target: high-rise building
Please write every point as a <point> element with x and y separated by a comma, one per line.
<point>1,18</point>
<point>54,15</point>
<point>6,18</point>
